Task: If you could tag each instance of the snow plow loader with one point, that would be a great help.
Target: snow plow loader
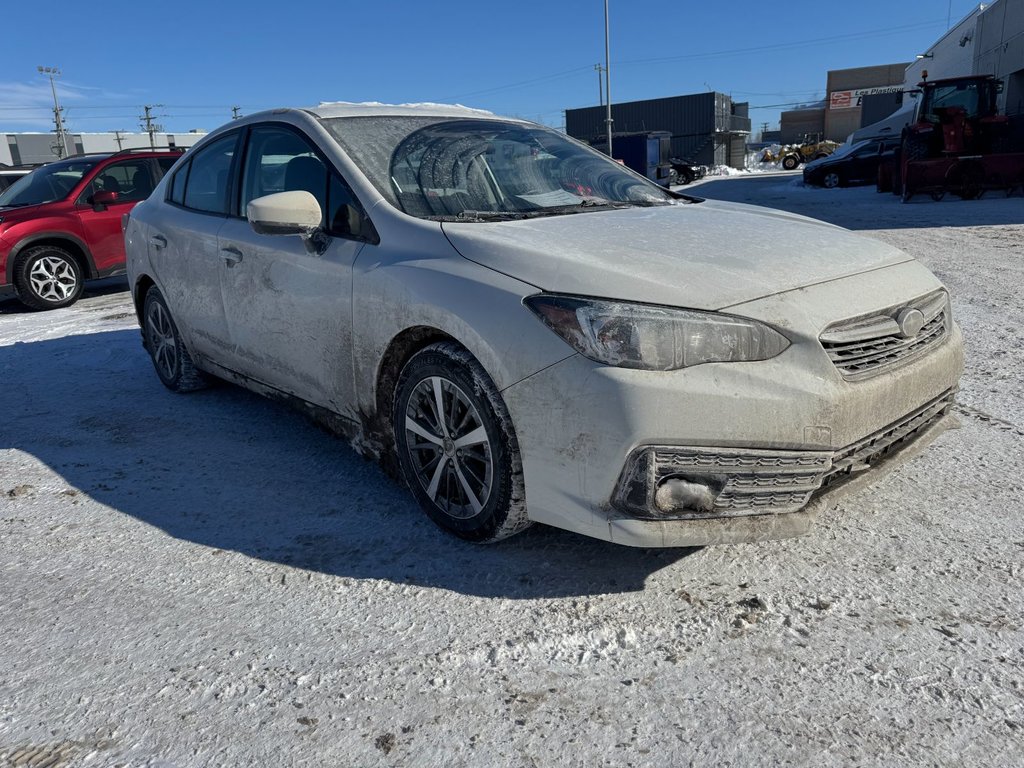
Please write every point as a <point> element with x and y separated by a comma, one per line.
<point>959,142</point>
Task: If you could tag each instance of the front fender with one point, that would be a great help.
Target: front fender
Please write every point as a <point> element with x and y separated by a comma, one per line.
<point>426,283</point>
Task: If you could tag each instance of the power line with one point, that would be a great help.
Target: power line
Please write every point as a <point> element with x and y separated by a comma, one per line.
<point>786,46</point>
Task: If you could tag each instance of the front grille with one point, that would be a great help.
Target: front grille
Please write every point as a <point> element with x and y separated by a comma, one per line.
<point>755,482</point>
<point>867,345</point>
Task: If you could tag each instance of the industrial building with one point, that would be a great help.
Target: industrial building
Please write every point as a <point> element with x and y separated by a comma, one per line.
<point>854,95</point>
<point>870,102</point>
<point>706,128</point>
<point>31,148</point>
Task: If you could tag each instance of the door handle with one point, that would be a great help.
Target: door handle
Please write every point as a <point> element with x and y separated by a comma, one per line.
<point>158,241</point>
<point>231,255</point>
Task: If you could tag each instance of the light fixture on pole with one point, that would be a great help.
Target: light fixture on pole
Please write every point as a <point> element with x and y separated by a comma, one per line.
<point>58,121</point>
<point>607,81</point>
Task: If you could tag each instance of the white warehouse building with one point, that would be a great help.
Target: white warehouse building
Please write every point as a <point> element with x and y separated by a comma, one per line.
<point>31,148</point>
<point>988,41</point>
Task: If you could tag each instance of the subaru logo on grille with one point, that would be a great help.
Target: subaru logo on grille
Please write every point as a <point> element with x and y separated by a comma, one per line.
<point>910,321</point>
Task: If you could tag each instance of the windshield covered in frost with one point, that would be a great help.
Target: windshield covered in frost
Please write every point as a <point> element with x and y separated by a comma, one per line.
<point>477,169</point>
<point>46,184</point>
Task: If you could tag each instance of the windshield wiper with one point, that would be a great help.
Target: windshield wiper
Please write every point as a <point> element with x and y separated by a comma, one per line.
<point>471,215</point>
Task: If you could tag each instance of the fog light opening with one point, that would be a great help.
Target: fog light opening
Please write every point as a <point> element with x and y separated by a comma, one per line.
<point>675,495</point>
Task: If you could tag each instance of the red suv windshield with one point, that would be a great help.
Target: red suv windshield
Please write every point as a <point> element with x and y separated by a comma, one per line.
<point>46,184</point>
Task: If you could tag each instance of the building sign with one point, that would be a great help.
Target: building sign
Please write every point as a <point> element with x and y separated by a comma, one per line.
<point>851,99</point>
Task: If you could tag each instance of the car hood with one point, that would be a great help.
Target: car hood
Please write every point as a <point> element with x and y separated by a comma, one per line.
<point>19,212</point>
<point>707,255</point>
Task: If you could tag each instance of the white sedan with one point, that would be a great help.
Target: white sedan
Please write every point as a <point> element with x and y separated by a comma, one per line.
<point>530,332</point>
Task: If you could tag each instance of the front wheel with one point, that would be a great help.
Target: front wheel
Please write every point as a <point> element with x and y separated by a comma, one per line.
<point>48,277</point>
<point>831,180</point>
<point>457,446</point>
<point>171,360</point>
<point>790,162</point>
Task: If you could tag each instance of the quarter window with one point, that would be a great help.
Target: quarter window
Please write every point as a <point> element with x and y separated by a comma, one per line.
<point>206,188</point>
<point>178,185</point>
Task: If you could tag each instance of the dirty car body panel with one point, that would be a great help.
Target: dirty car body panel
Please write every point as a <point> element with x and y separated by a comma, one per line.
<point>855,353</point>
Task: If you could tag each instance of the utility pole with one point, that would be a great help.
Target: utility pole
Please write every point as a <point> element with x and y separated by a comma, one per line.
<point>119,140</point>
<point>149,124</point>
<point>236,112</point>
<point>62,140</point>
<point>607,79</point>
<point>600,84</point>
<point>764,130</point>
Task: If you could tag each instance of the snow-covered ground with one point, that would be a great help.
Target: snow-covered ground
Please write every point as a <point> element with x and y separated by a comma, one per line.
<point>211,580</point>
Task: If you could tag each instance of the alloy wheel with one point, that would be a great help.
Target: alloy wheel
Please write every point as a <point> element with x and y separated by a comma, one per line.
<point>449,447</point>
<point>53,279</point>
<point>831,180</point>
<point>163,344</point>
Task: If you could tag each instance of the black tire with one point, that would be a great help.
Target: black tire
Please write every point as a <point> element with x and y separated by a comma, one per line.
<point>474,491</point>
<point>48,277</point>
<point>831,179</point>
<point>171,360</point>
<point>790,162</point>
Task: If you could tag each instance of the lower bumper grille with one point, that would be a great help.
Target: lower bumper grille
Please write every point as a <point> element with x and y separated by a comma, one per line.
<point>754,482</point>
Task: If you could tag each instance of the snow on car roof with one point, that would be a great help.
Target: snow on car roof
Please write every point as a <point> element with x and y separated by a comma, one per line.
<point>366,108</point>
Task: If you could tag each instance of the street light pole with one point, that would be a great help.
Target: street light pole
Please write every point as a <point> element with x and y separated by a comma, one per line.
<point>62,149</point>
<point>607,81</point>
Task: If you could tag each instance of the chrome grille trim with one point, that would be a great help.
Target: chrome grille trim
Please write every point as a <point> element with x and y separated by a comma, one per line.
<point>865,346</point>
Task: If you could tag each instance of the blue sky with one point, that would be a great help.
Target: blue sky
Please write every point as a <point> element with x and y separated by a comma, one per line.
<point>531,59</point>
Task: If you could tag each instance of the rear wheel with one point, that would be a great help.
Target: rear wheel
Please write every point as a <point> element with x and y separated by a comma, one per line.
<point>457,447</point>
<point>48,277</point>
<point>171,360</point>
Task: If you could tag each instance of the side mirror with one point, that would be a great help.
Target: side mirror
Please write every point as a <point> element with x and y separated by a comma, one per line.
<point>284,213</point>
<point>103,198</point>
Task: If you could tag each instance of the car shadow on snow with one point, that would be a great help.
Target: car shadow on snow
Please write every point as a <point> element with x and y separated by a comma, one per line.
<point>229,470</point>
<point>863,207</point>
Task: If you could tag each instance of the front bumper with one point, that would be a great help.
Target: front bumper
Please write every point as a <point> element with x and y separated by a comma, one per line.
<point>579,423</point>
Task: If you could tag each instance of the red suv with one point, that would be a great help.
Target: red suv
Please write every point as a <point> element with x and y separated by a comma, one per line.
<point>61,224</point>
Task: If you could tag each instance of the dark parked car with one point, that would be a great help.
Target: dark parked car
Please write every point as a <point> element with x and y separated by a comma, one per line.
<point>849,165</point>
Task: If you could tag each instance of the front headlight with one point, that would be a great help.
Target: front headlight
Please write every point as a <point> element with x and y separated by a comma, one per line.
<point>651,337</point>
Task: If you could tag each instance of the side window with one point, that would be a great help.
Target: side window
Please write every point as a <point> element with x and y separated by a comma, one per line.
<point>279,160</point>
<point>132,180</point>
<point>206,188</point>
<point>178,185</point>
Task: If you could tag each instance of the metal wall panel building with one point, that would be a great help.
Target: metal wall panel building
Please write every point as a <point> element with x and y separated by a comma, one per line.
<point>706,128</point>
<point>30,148</point>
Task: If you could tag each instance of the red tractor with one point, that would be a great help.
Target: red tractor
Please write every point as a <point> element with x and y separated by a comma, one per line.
<point>958,141</point>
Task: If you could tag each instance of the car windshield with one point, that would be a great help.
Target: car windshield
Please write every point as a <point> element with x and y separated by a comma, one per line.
<point>46,184</point>
<point>486,170</point>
